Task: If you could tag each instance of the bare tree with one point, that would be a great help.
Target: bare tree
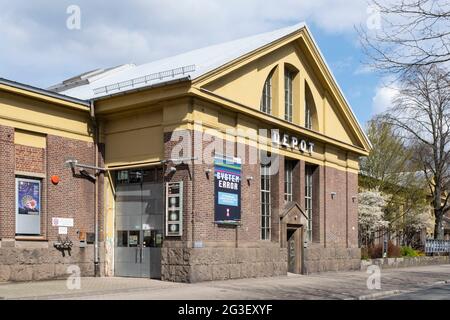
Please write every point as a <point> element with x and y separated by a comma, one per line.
<point>421,114</point>
<point>411,33</point>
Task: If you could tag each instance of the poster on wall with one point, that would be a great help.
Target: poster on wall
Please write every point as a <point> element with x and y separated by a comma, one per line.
<point>28,206</point>
<point>227,190</point>
<point>28,200</point>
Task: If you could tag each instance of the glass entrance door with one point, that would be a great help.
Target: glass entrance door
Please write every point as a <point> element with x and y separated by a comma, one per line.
<point>139,223</point>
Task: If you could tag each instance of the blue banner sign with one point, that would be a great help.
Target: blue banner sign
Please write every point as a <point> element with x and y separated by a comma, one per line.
<point>227,190</point>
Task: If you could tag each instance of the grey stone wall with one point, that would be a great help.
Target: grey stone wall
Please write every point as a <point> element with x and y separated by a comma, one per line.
<point>387,263</point>
<point>320,259</point>
<point>43,262</point>
<point>215,263</point>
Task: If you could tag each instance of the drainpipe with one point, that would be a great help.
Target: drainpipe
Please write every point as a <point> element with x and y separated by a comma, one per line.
<point>191,103</point>
<point>96,228</point>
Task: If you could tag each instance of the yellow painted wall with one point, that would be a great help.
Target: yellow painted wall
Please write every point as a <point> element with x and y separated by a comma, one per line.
<point>133,137</point>
<point>40,117</point>
<point>31,139</point>
<point>244,85</point>
<point>219,122</point>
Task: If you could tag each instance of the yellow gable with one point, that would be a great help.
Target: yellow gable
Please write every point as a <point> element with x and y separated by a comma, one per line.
<point>242,82</point>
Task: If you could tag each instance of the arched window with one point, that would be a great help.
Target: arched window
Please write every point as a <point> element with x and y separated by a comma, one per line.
<point>310,109</point>
<point>266,97</point>
<point>288,95</point>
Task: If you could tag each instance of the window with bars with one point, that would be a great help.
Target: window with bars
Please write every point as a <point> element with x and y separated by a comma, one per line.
<point>288,96</point>
<point>265,202</point>
<point>288,180</point>
<point>266,98</point>
<point>309,170</point>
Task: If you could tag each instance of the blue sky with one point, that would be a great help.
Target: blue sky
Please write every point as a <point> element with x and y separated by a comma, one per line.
<point>37,48</point>
<point>346,60</point>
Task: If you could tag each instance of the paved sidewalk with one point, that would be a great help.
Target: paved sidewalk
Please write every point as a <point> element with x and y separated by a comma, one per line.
<point>330,285</point>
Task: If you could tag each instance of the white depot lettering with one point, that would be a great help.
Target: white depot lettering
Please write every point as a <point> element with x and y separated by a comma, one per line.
<point>286,140</point>
<point>292,142</point>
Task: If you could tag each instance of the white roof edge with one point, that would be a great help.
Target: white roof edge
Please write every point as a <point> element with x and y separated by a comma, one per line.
<point>337,83</point>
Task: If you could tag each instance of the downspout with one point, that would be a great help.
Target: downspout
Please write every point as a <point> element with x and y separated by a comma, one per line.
<point>96,228</point>
<point>191,102</point>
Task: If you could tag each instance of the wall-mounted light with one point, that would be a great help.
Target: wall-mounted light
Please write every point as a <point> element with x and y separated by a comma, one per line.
<point>208,172</point>
<point>354,199</point>
<point>249,178</point>
<point>333,195</point>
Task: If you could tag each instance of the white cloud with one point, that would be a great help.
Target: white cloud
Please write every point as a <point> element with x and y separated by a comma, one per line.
<point>37,48</point>
<point>383,98</point>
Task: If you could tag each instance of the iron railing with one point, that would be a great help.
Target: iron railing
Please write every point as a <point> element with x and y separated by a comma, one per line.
<point>437,246</point>
<point>145,79</point>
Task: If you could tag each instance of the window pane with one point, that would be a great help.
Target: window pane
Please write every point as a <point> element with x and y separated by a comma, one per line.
<point>288,79</point>
<point>266,98</point>
<point>265,203</point>
<point>122,238</point>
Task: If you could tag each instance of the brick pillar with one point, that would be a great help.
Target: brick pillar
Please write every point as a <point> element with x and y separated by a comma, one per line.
<point>184,173</point>
<point>250,199</point>
<point>277,198</point>
<point>298,185</point>
<point>322,196</point>
<point>7,183</point>
<point>352,213</point>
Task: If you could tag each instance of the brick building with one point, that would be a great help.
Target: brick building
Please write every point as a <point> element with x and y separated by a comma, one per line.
<point>236,160</point>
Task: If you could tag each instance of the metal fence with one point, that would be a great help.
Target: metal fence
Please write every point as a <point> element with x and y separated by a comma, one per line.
<point>437,246</point>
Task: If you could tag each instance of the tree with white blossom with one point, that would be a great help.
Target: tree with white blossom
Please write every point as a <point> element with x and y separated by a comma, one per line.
<point>371,204</point>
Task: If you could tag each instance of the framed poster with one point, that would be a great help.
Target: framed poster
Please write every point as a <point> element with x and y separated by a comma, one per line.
<point>174,209</point>
<point>227,190</point>
<point>28,206</point>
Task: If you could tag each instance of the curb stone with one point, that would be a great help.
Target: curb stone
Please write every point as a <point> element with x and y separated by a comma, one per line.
<point>381,294</point>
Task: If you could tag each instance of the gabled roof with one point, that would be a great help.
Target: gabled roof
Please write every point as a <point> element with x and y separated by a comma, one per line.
<point>193,64</point>
<point>198,65</point>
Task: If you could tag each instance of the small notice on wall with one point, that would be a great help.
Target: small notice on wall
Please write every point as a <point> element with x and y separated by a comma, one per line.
<point>62,230</point>
<point>62,222</point>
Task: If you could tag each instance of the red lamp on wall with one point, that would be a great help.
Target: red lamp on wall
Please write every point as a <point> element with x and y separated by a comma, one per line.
<point>55,179</point>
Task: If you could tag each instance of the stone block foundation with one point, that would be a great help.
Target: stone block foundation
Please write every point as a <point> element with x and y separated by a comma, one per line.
<point>43,263</point>
<point>321,259</point>
<point>218,263</point>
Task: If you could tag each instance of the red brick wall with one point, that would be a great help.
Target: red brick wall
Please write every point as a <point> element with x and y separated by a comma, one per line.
<point>332,221</point>
<point>204,228</point>
<point>30,159</point>
<point>73,197</point>
<point>352,221</point>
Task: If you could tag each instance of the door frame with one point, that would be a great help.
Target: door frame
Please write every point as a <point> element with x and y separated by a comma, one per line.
<point>293,218</point>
